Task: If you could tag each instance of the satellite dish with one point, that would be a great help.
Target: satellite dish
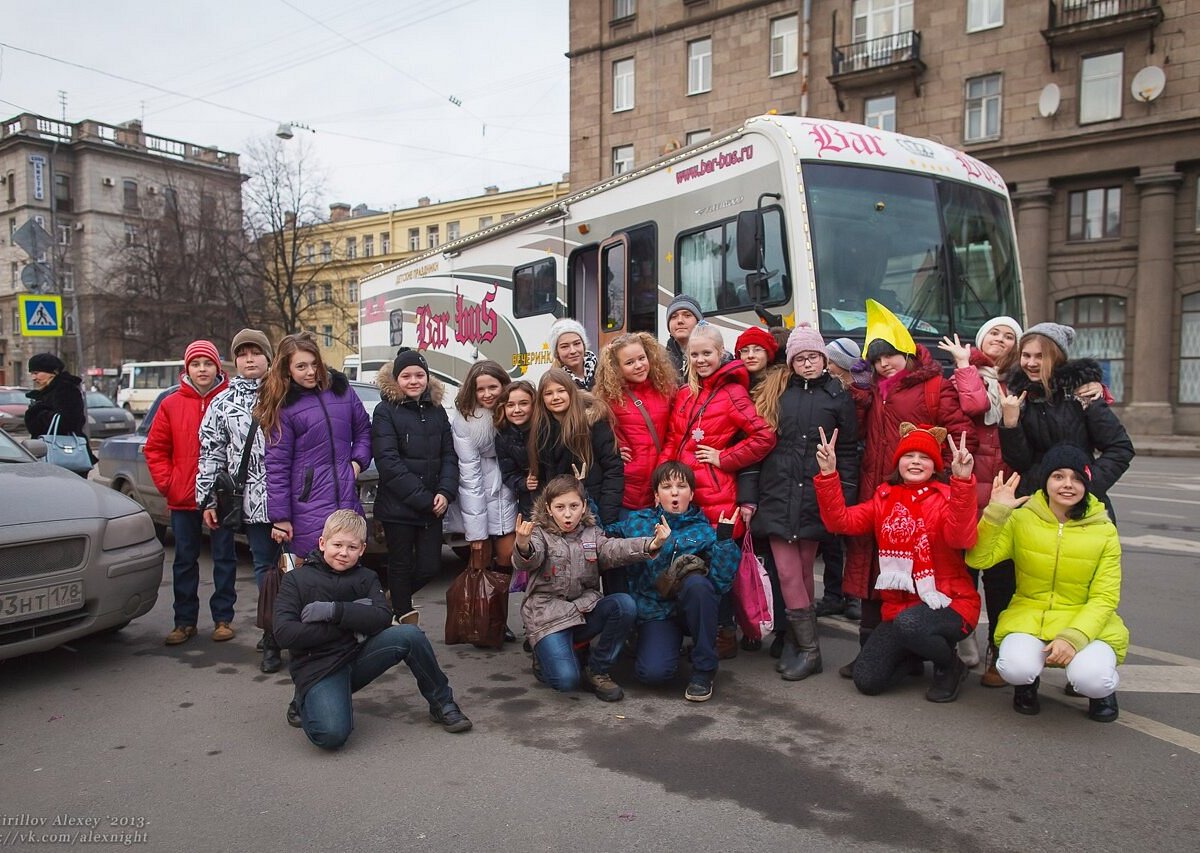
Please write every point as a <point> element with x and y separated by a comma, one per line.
<point>1049,99</point>
<point>1148,84</point>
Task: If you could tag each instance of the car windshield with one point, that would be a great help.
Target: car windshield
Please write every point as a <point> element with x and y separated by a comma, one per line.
<point>13,398</point>
<point>96,400</point>
<point>10,451</point>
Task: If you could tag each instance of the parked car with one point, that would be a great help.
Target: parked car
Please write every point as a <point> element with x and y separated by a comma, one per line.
<point>13,404</point>
<point>122,466</point>
<point>75,559</point>
<point>105,418</point>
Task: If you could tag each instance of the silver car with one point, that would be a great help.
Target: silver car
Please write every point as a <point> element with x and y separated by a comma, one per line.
<point>75,558</point>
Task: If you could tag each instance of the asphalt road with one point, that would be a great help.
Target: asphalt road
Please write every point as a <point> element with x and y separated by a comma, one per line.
<point>191,742</point>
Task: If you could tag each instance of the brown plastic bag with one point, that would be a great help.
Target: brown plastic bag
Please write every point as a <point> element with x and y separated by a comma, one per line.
<point>477,607</point>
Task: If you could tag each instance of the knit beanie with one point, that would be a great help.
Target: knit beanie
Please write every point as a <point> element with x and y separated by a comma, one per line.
<point>922,439</point>
<point>1066,456</point>
<point>406,357</point>
<point>757,336</point>
<point>1062,335</point>
<point>804,338</point>
<point>46,362</point>
<point>843,352</point>
<point>685,302</point>
<point>564,326</point>
<point>255,337</point>
<point>993,323</point>
<point>201,349</point>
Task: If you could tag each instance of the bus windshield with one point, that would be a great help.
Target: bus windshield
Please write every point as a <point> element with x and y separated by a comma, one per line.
<point>939,253</point>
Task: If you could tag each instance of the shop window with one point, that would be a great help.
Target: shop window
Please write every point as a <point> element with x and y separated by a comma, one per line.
<point>1189,350</point>
<point>1099,323</point>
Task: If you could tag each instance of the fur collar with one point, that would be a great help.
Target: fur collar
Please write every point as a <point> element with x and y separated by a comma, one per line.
<point>1071,375</point>
<point>543,519</point>
<point>338,384</point>
<point>390,391</point>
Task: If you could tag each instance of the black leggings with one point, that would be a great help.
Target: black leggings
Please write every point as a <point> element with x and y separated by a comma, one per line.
<point>999,586</point>
<point>928,634</point>
<point>414,559</point>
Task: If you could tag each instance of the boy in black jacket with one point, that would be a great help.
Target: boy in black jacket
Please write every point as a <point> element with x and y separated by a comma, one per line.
<point>332,616</point>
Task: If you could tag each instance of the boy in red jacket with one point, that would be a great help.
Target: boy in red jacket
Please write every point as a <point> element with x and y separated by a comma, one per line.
<point>172,455</point>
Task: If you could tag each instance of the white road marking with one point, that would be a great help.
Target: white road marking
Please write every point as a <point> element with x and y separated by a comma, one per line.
<point>1162,731</point>
<point>1148,678</point>
<point>1160,543</point>
<point>1128,496</point>
<point>1157,514</point>
<point>1165,657</point>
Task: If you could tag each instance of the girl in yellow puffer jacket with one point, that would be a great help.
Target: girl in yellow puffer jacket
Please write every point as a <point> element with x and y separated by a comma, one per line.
<point>1068,571</point>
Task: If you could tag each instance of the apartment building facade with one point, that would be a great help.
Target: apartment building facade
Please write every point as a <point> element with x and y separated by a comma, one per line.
<point>1090,109</point>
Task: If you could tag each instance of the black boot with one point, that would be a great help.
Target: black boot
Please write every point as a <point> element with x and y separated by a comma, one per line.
<point>1103,710</point>
<point>947,681</point>
<point>802,631</point>
<point>847,670</point>
<point>271,658</point>
<point>1025,698</point>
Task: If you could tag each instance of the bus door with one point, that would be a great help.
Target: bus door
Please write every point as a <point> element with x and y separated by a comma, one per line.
<point>582,304</point>
<point>628,277</point>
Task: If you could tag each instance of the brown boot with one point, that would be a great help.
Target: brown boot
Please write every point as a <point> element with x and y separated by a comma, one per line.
<point>180,634</point>
<point>991,677</point>
<point>727,645</point>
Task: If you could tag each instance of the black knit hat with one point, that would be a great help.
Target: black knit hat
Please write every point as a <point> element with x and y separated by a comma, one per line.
<point>46,362</point>
<point>1068,456</point>
<point>878,348</point>
<point>406,357</point>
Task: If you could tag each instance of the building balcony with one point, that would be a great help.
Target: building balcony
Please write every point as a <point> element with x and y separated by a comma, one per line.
<point>865,64</point>
<point>1075,21</point>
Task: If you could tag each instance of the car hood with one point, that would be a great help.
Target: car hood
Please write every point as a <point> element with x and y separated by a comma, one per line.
<point>50,493</point>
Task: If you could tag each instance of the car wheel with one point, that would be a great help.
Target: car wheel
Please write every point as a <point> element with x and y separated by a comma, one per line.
<point>126,488</point>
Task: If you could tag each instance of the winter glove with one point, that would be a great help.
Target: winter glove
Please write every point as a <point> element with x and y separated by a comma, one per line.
<point>860,373</point>
<point>318,611</point>
<point>930,595</point>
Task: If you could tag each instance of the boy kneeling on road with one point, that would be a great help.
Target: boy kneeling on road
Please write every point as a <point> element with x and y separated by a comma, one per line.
<point>332,616</point>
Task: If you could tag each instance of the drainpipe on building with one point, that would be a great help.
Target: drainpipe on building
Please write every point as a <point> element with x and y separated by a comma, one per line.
<point>805,36</point>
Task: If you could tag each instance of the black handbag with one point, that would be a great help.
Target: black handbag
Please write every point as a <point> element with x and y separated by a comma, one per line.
<point>230,491</point>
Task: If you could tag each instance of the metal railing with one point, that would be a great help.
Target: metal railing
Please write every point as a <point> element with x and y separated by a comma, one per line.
<point>1066,13</point>
<point>877,52</point>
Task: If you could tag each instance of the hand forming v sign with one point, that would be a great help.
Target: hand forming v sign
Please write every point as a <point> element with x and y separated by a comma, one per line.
<point>826,454</point>
<point>962,462</point>
<point>1004,492</point>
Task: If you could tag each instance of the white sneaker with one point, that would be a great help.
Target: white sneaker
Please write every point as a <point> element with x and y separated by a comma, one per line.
<point>968,651</point>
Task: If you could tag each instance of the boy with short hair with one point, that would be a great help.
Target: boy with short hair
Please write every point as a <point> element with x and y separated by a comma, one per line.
<point>682,316</point>
<point>692,608</point>
<point>332,617</point>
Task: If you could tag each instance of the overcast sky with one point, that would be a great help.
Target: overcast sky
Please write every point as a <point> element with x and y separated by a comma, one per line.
<point>373,78</point>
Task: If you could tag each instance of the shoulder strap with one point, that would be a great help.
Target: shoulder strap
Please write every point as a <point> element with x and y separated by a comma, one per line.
<point>649,423</point>
<point>240,479</point>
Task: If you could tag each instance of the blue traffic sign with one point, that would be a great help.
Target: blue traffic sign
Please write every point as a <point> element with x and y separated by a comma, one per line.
<point>41,316</point>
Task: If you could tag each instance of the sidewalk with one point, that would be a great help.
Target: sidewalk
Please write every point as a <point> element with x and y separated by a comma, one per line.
<point>1167,445</point>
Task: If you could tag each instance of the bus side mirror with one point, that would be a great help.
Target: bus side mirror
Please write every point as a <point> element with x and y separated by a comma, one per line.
<point>750,240</point>
<point>758,287</point>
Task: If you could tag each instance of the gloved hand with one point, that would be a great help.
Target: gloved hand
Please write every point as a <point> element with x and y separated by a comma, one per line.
<point>930,595</point>
<point>318,611</point>
<point>861,372</point>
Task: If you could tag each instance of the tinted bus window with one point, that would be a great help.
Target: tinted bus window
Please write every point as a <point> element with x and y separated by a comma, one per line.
<point>708,270</point>
<point>535,289</point>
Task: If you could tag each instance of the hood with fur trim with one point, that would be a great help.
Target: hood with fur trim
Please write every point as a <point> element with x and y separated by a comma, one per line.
<point>390,391</point>
<point>1066,378</point>
<point>338,384</point>
<point>543,519</point>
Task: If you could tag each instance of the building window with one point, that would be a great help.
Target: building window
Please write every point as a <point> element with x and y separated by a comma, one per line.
<point>785,44</point>
<point>351,247</point>
<point>622,85</point>
<point>484,222</point>
<point>622,159</point>
<point>327,294</point>
<point>131,234</point>
<point>130,194</point>
<point>874,19</point>
<point>699,66</point>
<point>385,242</point>
<point>1100,87</point>
<point>326,251</point>
<point>64,233</point>
<point>68,322</point>
<point>1094,214</point>
<point>695,136</point>
<point>352,334</point>
<point>414,239</point>
<point>432,236</point>
<point>880,112</point>
<point>984,14</point>
<point>983,108</point>
<point>62,191</point>
<point>1189,350</point>
<point>623,9</point>
<point>368,245</point>
<point>310,253</point>
<point>310,295</point>
<point>352,291</point>
<point>504,217</point>
<point>10,180</point>
<point>327,335</point>
<point>15,270</point>
<point>1099,323</point>
<point>452,230</point>
<point>170,201</point>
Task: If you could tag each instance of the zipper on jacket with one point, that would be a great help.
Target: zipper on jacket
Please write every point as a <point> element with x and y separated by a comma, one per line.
<point>1053,574</point>
<point>337,488</point>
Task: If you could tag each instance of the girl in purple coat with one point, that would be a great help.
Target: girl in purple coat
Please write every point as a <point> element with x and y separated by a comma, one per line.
<point>318,439</point>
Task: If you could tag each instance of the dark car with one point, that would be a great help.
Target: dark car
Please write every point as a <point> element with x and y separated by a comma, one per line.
<point>75,559</point>
<point>13,404</point>
<point>105,418</point>
<point>122,466</point>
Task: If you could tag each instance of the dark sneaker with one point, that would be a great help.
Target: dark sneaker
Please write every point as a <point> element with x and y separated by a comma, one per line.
<point>1025,698</point>
<point>853,610</point>
<point>603,686</point>
<point>830,606</point>
<point>700,688</point>
<point>451,718</point>
<point>776,650</point>
<point>946,682</point>
<point>750,645</point>
<point>293,715</point>
<point>1103,710</point>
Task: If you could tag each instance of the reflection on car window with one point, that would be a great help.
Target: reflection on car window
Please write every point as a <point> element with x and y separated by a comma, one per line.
<point>12,398</point>
<point>10,451</point>
<point>96,400</point>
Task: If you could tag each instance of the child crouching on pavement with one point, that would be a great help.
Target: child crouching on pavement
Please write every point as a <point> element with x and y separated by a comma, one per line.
<point>703,561</point>
<point>564,552</point>
<point>332,616</point>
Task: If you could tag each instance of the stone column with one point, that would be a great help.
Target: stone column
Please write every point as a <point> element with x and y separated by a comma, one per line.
<point>1032,200</point>
<point>1150,408</point>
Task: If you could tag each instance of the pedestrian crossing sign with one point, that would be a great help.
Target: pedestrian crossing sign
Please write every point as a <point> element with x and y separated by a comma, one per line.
<point>41,316</point>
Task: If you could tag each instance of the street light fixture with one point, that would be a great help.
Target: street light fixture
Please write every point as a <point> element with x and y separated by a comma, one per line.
<point>284,131</point>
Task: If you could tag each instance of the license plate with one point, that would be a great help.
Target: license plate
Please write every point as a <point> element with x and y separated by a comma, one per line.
<point>26,603</point>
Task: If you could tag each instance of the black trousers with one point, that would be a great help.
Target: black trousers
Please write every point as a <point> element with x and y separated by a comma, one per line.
<point>919,630</point>
<point>999,586</point>
<point>414,559</point>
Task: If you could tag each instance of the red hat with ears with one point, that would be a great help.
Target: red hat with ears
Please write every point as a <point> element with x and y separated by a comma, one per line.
<point>921,439</point>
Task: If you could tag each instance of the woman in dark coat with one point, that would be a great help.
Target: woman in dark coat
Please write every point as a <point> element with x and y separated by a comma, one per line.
<point>799,403</point>
<point>56,392</point>
<point>418,474</point>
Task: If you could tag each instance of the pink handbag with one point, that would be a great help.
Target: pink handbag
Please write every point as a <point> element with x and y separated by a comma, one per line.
<point>753,604</point>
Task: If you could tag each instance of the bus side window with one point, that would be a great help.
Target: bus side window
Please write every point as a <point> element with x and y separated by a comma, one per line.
<point>612,271</point>
<point>642,297</point>
<point>535,289</point>
<point>707,265</point>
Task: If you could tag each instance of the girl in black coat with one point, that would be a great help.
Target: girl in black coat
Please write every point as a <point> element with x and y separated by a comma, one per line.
<point>56,392</point>
<point>418,475</point>
<point>514,411</point>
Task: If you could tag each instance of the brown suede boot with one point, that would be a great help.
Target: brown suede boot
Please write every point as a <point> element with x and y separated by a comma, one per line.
<point>727,644</point>
<point>991,677</point>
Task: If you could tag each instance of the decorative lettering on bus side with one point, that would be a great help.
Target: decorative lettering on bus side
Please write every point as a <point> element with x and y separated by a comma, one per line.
<point>475,324</point>
<point>528,359</point>
<point>432,329</point>
<point>418,272</point>
<point>375,309</point>
<point>975,169</point>
<point>830,138</point>
<point>712,164</point>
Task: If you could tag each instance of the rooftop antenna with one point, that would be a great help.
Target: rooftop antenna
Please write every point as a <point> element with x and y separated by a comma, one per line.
<point>62,102</point>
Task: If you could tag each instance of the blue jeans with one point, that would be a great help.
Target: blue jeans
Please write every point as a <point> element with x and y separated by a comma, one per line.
<point>327,714</point>
<point>659,641</point>
<point>611,619</point>
<point>186,525</point>
<point>263,550</point>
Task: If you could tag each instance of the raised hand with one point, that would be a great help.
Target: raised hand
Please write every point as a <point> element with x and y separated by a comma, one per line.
<point>580,472</point>
<point>1010,408</point>
<point>826,454</point>
<point>961,462</point>
<point>959,351</point>
<point>524,530</point>
<point>709,455</point>
<point>662,532</point>
<point>733,515</point>
<point>1004,492</point>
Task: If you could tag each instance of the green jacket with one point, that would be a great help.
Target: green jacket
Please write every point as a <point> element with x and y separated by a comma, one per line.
<point>1068,575</point>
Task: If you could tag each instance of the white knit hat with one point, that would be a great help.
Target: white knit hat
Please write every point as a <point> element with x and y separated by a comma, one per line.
<point>993,323</point>
<point>563,326</point>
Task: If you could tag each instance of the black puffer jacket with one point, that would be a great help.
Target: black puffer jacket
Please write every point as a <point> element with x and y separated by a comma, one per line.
<point>319,648</point>
<point>605,479</point>
<point>414,452</point>
<point>783,489</point>
<point>512,452</point>
<point>63,396</point>
<point>1060,418</point>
